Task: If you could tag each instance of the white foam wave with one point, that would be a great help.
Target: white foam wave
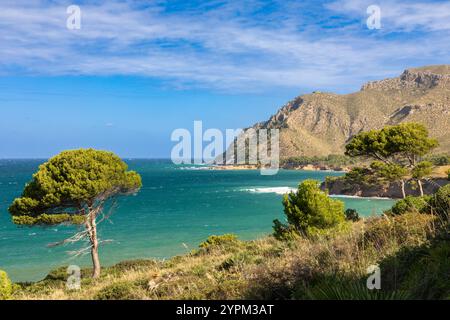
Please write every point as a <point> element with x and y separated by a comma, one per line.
<point>196,168</point>
<point>277,190</point>
<point>284,190</point>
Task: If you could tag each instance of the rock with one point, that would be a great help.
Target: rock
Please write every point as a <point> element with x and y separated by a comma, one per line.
<point>341,187</point>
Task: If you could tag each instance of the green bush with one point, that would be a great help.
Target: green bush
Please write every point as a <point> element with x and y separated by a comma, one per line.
<point>117,291</point>
<point>358,175</point>
<point>309,211</point>
<point>330,160</point>
<point>439,159</point>
<point>408,229</point>
<point>6,287</point>
<point>423,271</point>
<point>225,239</point>
<point>441,200</point>
<point>335,288</point>
<point>412,204</point>
<point>239,260</point>
<point>135,265</point>
<point>60,274</point>
<point>352,215</point>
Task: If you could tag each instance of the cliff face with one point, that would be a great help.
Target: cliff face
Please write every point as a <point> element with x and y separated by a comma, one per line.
<point>322,123</point>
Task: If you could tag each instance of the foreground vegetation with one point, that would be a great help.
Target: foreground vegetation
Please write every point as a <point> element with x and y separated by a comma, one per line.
<point>412,248</point>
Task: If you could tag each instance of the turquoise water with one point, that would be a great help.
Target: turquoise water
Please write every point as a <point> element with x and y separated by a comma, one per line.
<point>175,210</point>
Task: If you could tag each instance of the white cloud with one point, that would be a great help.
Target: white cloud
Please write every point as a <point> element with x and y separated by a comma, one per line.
<point>214,48</point>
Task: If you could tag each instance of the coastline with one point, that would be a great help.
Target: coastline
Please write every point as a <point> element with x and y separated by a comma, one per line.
<point>345,187</point>
<point>308,167</point>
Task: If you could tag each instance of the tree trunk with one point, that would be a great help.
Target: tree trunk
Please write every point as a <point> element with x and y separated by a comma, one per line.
<point>92,229</point>
<point>420,187</point>
<point>403,188</point>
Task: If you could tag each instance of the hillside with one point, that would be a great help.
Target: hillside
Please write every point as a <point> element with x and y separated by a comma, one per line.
<point>404,246</point>
<point>320,123</point>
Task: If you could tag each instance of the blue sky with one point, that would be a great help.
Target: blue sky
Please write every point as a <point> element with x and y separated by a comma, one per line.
<point>137,70</point>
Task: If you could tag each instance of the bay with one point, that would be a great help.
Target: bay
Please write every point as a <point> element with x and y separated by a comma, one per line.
<point>177,208</point>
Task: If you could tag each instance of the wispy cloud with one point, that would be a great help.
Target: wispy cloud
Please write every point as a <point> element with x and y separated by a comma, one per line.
<point>225,45</point>
<point>401,16</point>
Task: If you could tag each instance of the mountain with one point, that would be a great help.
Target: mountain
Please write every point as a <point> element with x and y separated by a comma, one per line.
<point>321,123</point>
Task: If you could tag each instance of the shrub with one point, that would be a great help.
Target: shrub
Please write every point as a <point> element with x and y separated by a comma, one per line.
<point>284,232</point>
<point>439,159</point>
<point>422,270</point>
<point>358,175</point>
<point>340,288</point>
<point>409,229</point>
<point>135,265</point>
<point>239,260</point>
<point>309,211</point>
<point>60,275</point>
<point>412,204</point>
<point>330,160</point>
<point>352,215</point>
<point>441,200</point>
<point>225,239</point>
<point>117,291</point>
<point>6,287</point>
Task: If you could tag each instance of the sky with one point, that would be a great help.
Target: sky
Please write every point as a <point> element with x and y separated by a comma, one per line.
<point>134,71</point>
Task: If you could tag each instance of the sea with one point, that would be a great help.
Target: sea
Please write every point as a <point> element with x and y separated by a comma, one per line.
<point>178,207</point>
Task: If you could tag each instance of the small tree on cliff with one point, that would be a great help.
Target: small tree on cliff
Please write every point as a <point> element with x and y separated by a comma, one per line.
<point>395,146</point>
<point>73,188</point>
<point>390,173</point>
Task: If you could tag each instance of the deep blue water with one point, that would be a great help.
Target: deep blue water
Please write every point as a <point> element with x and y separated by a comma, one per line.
<point>175,210</point>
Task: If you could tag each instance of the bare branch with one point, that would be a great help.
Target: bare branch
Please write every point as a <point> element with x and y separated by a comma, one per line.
<point>75,238</point>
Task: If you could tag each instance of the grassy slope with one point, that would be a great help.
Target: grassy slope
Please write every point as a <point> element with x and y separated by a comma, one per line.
<point>412,250</point>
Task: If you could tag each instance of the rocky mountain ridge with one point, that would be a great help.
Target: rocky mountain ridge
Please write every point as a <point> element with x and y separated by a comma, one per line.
<point>319,124</point>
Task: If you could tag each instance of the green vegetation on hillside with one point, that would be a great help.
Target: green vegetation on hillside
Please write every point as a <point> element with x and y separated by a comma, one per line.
<point>332,160</point>
<point>412,249</point>
<point>6,287</point>
<point>438,159</point>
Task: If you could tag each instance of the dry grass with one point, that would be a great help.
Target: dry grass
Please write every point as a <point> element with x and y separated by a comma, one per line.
<point>440,171</point>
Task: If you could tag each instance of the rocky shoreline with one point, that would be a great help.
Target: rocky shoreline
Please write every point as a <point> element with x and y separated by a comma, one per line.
<point>340,186</point>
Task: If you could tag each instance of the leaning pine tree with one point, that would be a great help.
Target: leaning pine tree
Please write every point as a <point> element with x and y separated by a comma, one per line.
<point>73,188</point>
